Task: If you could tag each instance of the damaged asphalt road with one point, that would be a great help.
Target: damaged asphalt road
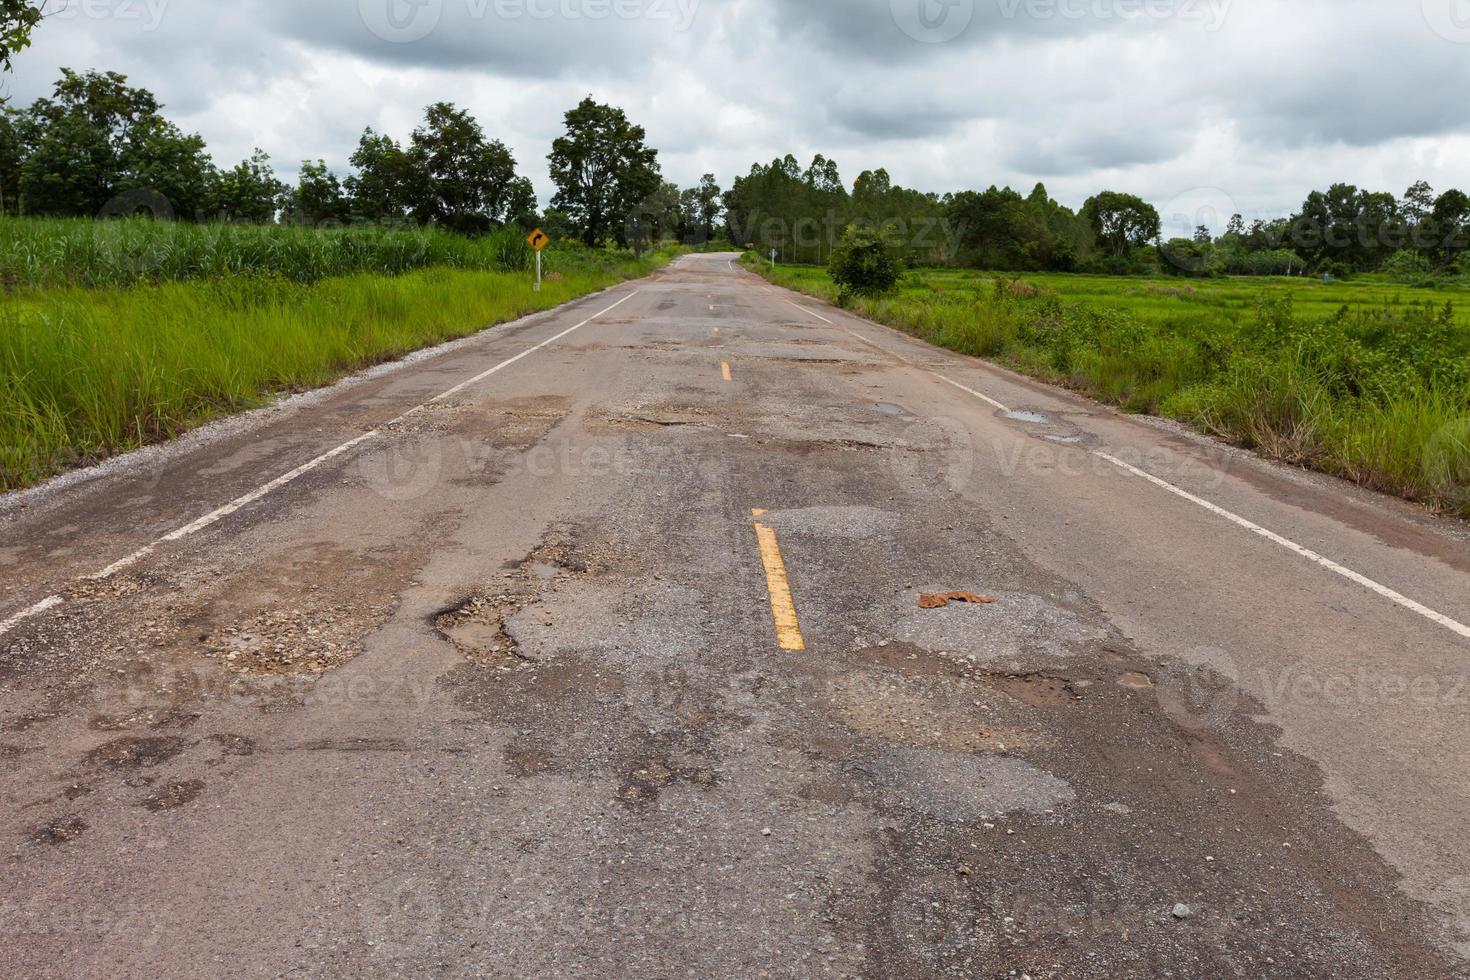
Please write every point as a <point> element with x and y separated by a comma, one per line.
<point>514,687</point>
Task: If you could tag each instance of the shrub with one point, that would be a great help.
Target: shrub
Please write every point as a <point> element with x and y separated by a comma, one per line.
<point>865,263</point>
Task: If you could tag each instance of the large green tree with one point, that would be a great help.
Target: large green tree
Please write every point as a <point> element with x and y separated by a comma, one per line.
<point>85,136</point>
<point>604,171</point>
<point>161,160</point>
<point>461,179</point>
<point>318,195</point>
<point>380,188</point>
<point>1121,222</point>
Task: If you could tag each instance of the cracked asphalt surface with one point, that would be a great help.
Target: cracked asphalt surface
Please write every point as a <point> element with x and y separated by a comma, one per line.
<point>498,692</point>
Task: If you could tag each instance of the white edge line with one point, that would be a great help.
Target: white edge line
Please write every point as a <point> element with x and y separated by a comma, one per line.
<point>808,312</point>
<point>1307,553</point>
<point>50,602</point>
<point>215,516</point>
<point>1382,590</point>
<point>971,391</point>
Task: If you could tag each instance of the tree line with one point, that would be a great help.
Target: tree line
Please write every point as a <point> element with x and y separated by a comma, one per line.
<point>800,216</point>
<point>99,147</point>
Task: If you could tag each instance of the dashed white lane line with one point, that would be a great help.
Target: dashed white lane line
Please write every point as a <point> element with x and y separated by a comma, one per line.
<point>1356,577</point>
<point>215,516</point>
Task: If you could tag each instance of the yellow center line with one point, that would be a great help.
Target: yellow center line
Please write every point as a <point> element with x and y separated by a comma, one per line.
<point>725,370</point>
<point>783,609</point>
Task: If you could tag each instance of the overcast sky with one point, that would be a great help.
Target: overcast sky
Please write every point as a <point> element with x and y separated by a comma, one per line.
<point>1193,104</point>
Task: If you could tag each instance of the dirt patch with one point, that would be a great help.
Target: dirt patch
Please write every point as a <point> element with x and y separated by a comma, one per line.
<point>173,796</point>
<point>132,752</point>
<point>236,745</point>
<point>58,832</point>
<point>116,587</point>
<point>518,423</point>
<point>899,710</point>
<point>311,616</point>
<point>646,779</point>
<point>529,761</point>
<point>645,418</point>
<point>1037,690</point>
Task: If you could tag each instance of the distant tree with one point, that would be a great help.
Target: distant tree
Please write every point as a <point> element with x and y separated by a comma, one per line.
<point>13,152</point>
<point>603,170</point>
<point>1202,235</point>
<point>17,19</point>
<point>707,195</point>
<point>318,196</point>
<point>1236,228</point>
<point>251,192</point>
<point>1451,223</point>
<point>521,206</point>
<point>1347,228</point>
<point>1415,209</point>
<point>462,180</point>
<point>379,190</point>
<point>1121,222</point>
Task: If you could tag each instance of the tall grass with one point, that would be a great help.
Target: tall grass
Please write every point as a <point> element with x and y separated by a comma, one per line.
<point>85,373</point>
<point>1369,382</point>
<point>43,252</point>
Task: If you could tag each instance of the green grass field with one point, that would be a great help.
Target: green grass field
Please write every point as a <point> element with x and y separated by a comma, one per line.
<point>1366,379</point>
<point>89,372</point>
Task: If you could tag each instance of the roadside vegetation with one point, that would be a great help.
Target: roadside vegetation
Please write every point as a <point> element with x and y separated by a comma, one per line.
<point>86,373</point>
<point>1368,380</point>
<point>52,252</point>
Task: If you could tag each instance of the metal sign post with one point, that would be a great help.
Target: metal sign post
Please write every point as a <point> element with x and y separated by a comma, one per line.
<point>538,240</point>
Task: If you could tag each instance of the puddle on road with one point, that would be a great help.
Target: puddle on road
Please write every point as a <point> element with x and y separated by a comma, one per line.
<point>1025,415</point>
<point>888,408</point>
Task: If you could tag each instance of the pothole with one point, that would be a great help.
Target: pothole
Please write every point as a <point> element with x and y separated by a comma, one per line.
<point>1036,690</point>
<point>59,832</point>
<point>476,626</point>
<point>173,796</point>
